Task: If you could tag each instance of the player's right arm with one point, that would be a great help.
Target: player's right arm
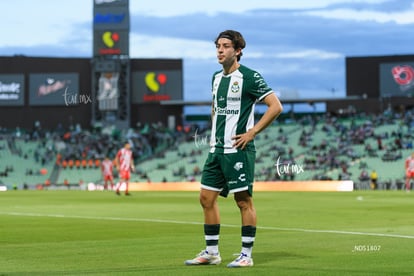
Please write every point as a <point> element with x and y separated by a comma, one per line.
<point>116,162</point>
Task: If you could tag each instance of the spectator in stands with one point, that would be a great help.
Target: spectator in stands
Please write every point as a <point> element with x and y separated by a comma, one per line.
<point>58,159</point>
<point>364,179</point>
<point>196,170</point>
<point>29,171</point>
<point>379,143</point>
<point>47,183</point>
<point>66,183</point>
<point>363,176</point>
<point>229,167</point>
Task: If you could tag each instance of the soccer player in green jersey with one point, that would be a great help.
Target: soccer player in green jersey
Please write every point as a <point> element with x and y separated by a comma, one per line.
<point>229,167</point>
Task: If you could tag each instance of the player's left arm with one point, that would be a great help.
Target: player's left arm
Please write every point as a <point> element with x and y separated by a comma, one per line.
<point>132,164</point>
<point>274,108</point>
<point>116,162</point>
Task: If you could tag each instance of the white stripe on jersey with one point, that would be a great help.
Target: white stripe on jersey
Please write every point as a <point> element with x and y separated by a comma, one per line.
<point>232,105</point>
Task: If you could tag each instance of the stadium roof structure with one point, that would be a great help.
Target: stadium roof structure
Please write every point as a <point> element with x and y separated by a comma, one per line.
<point>285,101</point>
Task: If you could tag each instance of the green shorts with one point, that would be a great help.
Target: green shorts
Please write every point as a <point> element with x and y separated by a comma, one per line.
<point>229,173</point>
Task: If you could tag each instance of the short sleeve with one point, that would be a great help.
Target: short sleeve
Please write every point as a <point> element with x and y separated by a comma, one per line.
<point>259,88</point>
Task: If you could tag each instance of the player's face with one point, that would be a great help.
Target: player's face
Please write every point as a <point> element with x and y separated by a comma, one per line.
<point>226,54</point>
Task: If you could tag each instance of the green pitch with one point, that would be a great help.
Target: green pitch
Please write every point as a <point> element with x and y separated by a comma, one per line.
<point>152,233</point>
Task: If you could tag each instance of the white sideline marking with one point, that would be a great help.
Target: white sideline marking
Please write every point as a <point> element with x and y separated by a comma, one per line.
<point>201,223</point>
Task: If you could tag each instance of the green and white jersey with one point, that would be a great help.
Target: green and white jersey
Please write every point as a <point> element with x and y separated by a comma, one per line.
<point>234,99</point>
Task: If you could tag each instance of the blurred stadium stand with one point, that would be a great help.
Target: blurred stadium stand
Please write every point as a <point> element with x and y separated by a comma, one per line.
<point>317,147</point>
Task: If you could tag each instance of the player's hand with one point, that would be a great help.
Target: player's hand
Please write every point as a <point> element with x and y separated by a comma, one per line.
<point>241,140</point>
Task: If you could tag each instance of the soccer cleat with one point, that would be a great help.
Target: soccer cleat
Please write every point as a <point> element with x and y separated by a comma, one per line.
<point>241,261</point>
<point>205,258</point>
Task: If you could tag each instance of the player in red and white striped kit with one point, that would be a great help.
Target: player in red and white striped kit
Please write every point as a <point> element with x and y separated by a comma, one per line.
<point>124,163</point>
<point>107,173</point>
<point>409,171</point>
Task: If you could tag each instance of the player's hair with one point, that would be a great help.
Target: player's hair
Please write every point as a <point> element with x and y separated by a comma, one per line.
<point>235,37</point>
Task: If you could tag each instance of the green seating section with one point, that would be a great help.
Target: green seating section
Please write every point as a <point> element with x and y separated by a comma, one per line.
<point>19,165</point>
<point>185,160</point>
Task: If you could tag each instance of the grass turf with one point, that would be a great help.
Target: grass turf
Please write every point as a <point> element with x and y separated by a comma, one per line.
<point>152,233</point>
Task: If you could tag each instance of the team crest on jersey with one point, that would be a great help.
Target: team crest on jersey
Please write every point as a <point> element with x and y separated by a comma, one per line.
<point>235,87</point>
<point>238,165</point>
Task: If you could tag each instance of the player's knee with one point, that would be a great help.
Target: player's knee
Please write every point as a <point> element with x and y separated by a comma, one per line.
<point>205,201</point>
<point>243,200</point>
<point>243,204</point>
